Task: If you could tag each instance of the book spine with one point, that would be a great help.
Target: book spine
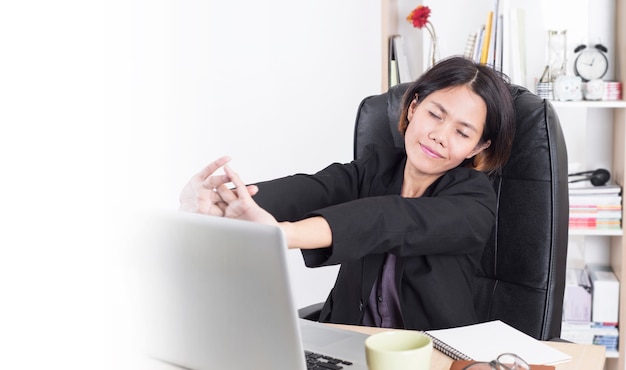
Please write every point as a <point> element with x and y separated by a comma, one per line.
<point>485,51</point>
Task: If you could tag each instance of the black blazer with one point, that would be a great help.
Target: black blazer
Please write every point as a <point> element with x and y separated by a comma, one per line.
<point>438,238</point>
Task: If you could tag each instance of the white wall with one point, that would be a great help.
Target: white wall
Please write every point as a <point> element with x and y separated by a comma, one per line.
<point>274,84</point>
<point>109,106</point>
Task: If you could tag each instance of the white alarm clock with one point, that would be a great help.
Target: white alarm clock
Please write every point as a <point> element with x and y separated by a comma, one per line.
<point>591,63</point>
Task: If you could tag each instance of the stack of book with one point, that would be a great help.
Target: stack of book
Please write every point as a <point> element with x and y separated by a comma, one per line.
<point>591,333</point>
<point>591,307</point>
<point>612,90</point>
<point>485,45</point>
<point>595,207</point>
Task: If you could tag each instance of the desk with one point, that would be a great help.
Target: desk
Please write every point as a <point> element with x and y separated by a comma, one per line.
<point>584,356</point>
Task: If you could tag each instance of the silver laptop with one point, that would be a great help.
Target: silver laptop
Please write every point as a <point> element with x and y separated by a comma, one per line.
<point>214,293</point>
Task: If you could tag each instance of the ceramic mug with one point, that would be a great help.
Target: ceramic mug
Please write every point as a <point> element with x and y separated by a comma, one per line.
<point>398,350</point>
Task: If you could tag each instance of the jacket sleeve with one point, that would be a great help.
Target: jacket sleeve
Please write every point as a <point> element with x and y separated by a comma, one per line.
<point>294,197</point>
<point>291,198</point>
<point>457,218</point>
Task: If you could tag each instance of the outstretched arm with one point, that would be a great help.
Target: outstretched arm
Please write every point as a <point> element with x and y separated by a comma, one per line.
<point>310,233</point>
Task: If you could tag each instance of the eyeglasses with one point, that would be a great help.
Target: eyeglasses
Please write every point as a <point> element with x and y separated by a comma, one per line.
<point>506,361</point>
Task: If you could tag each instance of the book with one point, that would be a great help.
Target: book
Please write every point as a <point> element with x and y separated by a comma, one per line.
<point>590,189</point>
<point>394,74</point>
<point>480,36</point>
<point>486,39</point>
<point>604,294</point>
<point>470,45</point>
<point>598,200</point>
<point>515,44</point>
<point>591,333</point>
<point>398,62</point>
<point>577,297</point>
<point>595,207</point>
<point>499,48</point>
<point>495,38</point>
<point>402,60</point>
<point>486,341</point>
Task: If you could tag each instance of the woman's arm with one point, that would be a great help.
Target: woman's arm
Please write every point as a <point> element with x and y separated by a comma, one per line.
<point>455,218</point>
<point>310,233</point>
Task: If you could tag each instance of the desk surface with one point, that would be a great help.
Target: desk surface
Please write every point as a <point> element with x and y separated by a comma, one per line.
<point>584,356</point>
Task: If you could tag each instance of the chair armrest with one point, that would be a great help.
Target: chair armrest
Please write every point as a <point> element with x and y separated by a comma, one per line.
<point>311,312</point>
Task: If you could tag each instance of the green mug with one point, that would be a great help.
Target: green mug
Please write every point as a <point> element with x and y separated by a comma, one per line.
<point>398,350</point>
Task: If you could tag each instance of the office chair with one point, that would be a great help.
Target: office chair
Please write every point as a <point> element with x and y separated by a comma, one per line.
<point>522,281</point>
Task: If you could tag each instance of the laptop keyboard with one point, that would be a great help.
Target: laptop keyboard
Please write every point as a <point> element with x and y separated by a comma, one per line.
<point>323,362</point>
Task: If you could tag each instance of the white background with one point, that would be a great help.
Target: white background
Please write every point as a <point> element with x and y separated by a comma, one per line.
<point>273,84</point>
<point>108,107</point>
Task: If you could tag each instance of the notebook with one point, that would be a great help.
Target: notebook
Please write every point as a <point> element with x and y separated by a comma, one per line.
<point>214,293</point>
<point>485,341</point>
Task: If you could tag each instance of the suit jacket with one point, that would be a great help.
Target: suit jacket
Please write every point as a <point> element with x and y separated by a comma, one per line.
<point>438,239</point>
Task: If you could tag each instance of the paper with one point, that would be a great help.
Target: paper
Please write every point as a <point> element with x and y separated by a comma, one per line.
<point>485,341</point>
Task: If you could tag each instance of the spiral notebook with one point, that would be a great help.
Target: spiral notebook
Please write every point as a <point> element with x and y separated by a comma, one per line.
<point>485,341</point>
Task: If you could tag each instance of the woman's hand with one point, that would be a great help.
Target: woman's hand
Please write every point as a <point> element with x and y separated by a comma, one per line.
<point>208,193</point>
<point>200,193</point>
<point>238,203</point>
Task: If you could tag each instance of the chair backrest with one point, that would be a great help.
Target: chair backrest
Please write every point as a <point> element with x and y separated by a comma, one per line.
<point>522,280</point>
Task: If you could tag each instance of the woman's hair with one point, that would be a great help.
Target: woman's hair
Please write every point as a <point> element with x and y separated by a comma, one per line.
<point>484,82</point>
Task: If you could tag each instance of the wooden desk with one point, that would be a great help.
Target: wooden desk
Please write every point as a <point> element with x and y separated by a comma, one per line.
<point>584,356</point>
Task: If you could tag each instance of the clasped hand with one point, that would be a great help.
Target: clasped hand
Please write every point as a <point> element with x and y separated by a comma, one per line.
<point>208,193</point>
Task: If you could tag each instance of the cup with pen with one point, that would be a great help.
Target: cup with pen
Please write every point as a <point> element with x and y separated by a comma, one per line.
<point>557,51</point>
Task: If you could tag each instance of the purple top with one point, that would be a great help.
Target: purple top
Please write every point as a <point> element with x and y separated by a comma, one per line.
<point>383,306</point>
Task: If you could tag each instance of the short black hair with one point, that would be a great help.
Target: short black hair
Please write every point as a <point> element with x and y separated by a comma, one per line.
<point>493,88</point>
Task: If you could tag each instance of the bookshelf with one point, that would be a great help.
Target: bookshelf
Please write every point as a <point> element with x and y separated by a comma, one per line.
<point>595,130</point>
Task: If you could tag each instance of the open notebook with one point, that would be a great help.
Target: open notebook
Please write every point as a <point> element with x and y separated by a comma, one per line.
<point>485,341</point>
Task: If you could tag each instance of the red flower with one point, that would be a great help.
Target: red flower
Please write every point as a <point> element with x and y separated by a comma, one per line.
<point>419,16</point>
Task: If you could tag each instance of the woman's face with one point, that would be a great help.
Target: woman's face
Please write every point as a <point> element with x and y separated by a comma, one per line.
<point>444,129</point>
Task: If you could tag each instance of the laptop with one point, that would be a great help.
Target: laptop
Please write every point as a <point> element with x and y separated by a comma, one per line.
<point>214,293</point>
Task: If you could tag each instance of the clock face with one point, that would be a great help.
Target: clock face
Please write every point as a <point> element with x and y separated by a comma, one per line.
<point>591,64</point>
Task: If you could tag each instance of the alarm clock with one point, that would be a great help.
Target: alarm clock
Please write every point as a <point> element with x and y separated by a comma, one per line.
<point>591,63</point>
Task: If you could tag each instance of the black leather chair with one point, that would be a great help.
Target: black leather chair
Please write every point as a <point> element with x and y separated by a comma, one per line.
<point>522,280</point>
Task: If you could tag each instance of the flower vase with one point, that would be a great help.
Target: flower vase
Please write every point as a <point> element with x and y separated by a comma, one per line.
<point>433,54</point>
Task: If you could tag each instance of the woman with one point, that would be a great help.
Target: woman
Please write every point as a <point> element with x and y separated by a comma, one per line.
<point>408,226</point>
